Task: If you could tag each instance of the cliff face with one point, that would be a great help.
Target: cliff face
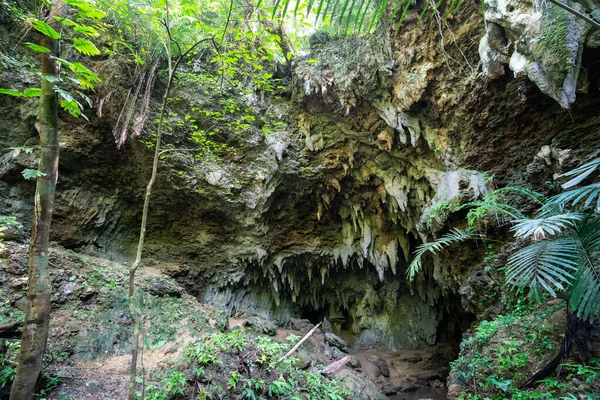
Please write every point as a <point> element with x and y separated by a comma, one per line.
<point>317,214</point>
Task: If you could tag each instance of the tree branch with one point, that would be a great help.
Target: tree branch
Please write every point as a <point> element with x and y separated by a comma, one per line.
<point>584,17</point>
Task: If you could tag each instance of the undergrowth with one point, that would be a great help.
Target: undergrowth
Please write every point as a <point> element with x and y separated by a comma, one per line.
<point>502,353</point>
<point>239,365</point>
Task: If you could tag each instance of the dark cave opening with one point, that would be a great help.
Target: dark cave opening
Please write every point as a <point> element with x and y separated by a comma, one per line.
<point>313,315</point>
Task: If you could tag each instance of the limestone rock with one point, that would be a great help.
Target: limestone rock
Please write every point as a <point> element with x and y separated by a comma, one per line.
<point>336,354</point>
<point>493,51</point>
<point>381,364</point>
<point>301,325</point>
<point>548,41</point>
<point>336,341</point>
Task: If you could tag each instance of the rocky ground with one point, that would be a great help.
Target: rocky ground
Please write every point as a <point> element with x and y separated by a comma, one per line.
<point>89,344</point>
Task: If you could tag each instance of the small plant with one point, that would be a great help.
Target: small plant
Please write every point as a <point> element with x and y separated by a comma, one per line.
<point>7,222</point>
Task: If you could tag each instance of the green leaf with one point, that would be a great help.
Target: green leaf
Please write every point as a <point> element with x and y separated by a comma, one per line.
<point>436,246</point>
<point>86,9</point>
<point>312,61</point>
<point>86,98</point>
<point>31,173</point>
<point>66,21</point>
<point>581,173</point>
<point>52,78</point>
<point>45,29</point>
<point>11,92</point>
<point>84,46</point>
<point>32,92</point>
<point>37,48</point>
<point>63,93</point>
<point>73,107</point>
<point>87,30</point>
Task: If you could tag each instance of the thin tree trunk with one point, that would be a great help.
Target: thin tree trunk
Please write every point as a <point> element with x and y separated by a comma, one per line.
<point>133,310</point>
<point>37,317</point>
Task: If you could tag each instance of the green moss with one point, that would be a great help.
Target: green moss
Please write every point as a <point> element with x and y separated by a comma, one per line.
<point>553,42</point>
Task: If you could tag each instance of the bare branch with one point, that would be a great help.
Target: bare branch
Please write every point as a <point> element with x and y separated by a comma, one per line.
<point>289,353</point>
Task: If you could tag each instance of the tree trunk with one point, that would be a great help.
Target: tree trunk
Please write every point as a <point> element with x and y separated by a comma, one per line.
<point>37,317</point>
<point>135,311</point>
<point>577,333</point>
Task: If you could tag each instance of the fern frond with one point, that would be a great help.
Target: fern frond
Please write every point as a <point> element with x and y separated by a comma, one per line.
<point>490,205</point>
<point>548,263</point>
<point>573,197</point>
<point>436,246</point>
<point>581,173</point>
<point>550,225</point>
<point>526,192</point>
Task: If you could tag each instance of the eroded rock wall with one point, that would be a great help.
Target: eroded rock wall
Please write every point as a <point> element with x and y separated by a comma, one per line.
<point>320,216</point>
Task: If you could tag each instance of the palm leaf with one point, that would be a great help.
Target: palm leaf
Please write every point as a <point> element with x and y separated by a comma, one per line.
<point>549,264</point>
<point>580,173</point>
<point>404,11</point>
<point>360,17</point>
<point>330,8</point>
<point>319,11</point>
<point>550,225</point>
<point>436,246</point>
<point>585,297</point>
<point>573,197</point>
<point>379,10</point>
<point>349,18</point>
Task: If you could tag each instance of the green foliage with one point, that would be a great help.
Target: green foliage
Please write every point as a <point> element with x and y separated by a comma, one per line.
<point>435,247</point>
<point>8,363</point>
<point>37,48</point>
<point>84,46</point>
<point>7,222</point>
<point>588,373</point>
<point>204,352</point>
<point>361,15</point>
<point>568,259</point>
<point>438,212</point>
<point>238,364</point>
<point>86,14</point>
<point>45,29</point>
<point>167,387</point>
<point>31,173</point>
<point>500,354</point>
<point>493,206</point>
<point>30,92</point>
<point>564,255</point>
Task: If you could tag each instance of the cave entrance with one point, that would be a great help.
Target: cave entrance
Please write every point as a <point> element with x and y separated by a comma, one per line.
<point>340,321</point>
<point>314,316</point>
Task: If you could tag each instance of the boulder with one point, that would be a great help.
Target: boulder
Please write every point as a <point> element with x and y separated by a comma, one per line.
<point>336,341</point>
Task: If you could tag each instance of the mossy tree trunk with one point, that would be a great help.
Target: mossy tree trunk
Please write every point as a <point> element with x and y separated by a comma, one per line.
<point>37,317</point>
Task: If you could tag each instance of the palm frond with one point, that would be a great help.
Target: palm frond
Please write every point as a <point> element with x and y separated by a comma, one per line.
<point>581,173</point>
<point>549,264</point>
<point>585,296</point>
<point>340,12</point>
<point>436,246</point>
<point>549,225</point>
<point>591,194</point>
